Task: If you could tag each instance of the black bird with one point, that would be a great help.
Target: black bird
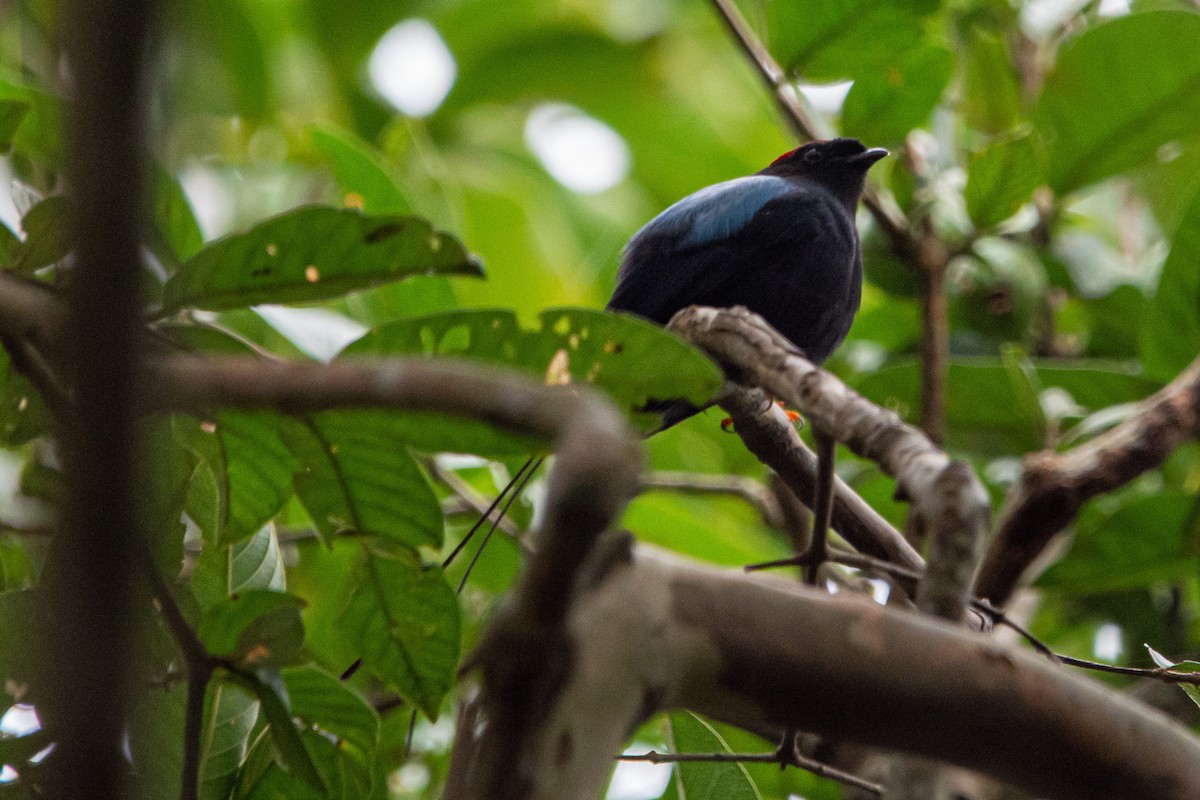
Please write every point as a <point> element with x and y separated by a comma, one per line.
<point>781,242</point>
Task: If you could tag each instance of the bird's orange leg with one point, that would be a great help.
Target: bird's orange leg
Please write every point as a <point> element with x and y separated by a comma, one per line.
<point>793,416</point>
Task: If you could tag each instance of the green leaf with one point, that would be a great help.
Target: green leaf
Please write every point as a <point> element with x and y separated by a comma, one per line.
<point>991,86</point>
<point>345,778</point>
<point>405,619</point>
<point>701,780</point>
<point>174,221</point>
<point>47,229</point>
<point>984,410</point>
<point>631,359</point>
<point>268,688</point>
<point>1142,543</point>
<point>1118,93</point>
<point>359,169</point>
<point>328,703</point>
<point>1000,180</point>
<point>40,133</point>
<point>830,39</point>
<point>253,563</point>
<point>1171,331</point>
<point>254,471</point>
<point>229,718</point>
<point>882,107</point>
<point>1191,667</point>
<point>313,253</point>
<point>356,474</point>
<point>257,627</point>
<point>12,112</point>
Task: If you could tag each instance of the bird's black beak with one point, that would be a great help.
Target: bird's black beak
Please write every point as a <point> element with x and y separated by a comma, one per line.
<point>869,157</point>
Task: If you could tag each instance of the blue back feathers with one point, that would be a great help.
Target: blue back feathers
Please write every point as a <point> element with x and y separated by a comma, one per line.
<point>716,212</point>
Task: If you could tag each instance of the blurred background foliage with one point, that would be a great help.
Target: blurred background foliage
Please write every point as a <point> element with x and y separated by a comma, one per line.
<point>1052,144</point>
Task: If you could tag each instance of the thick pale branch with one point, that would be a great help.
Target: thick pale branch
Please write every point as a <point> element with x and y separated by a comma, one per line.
<point>944,495</point>
<point>764,654</point>
<point>1054,486</point>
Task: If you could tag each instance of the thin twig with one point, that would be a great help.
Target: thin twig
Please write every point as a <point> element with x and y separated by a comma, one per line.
<point>795,759</point>
<point>473,501</point>
<point>748,489</point>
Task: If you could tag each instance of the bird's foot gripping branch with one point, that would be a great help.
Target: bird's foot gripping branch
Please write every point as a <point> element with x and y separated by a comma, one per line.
<point>600,633</point>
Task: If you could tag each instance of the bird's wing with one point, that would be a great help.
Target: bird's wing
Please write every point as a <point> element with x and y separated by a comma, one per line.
<point>714,238</point>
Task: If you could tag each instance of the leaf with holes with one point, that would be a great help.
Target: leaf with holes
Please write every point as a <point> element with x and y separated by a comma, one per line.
<point>313,253</point>
<point>631,359</point>
<point>404,618</point>
<point>356,474</point>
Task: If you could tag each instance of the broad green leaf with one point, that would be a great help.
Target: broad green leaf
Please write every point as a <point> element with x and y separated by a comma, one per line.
<point>313,253</point>
<point>829,39</point>
<point>345,779</point>
<point>12,112</point>
<point>631,359</point>
<point>1000,180</point>
<point>357,475</point>
<point>223,571</point>
<point>882,107</point>
<point>1118,93</point>
<point>256,627</point>
<point>229,718</point>
<point>268,687</point>
<point>1142,543</point>
<point>359,170</point>
<point>1190,689</point>
<point>701,780</point>
<point>40,133</point>
<point>983,410</point>
<point>254,471</point>
<point>991,86</point>
<point>1171,331</point>
<point>174,221</point>
<point>328,703</point>
<point>404,618</point>
<point>47,234</point>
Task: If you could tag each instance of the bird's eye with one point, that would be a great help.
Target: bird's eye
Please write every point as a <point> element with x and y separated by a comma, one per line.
<point>812,156</point>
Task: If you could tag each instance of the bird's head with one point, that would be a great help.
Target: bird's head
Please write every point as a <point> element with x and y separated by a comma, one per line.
<point>839,165</point>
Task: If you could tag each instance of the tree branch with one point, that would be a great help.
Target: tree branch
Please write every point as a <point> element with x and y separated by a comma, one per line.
<point>943,494</point>
<point>797,760</point>
<point>88,652</point>
<point>769,435</point>
<point>655,632</point>
<point>1054,486</point>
